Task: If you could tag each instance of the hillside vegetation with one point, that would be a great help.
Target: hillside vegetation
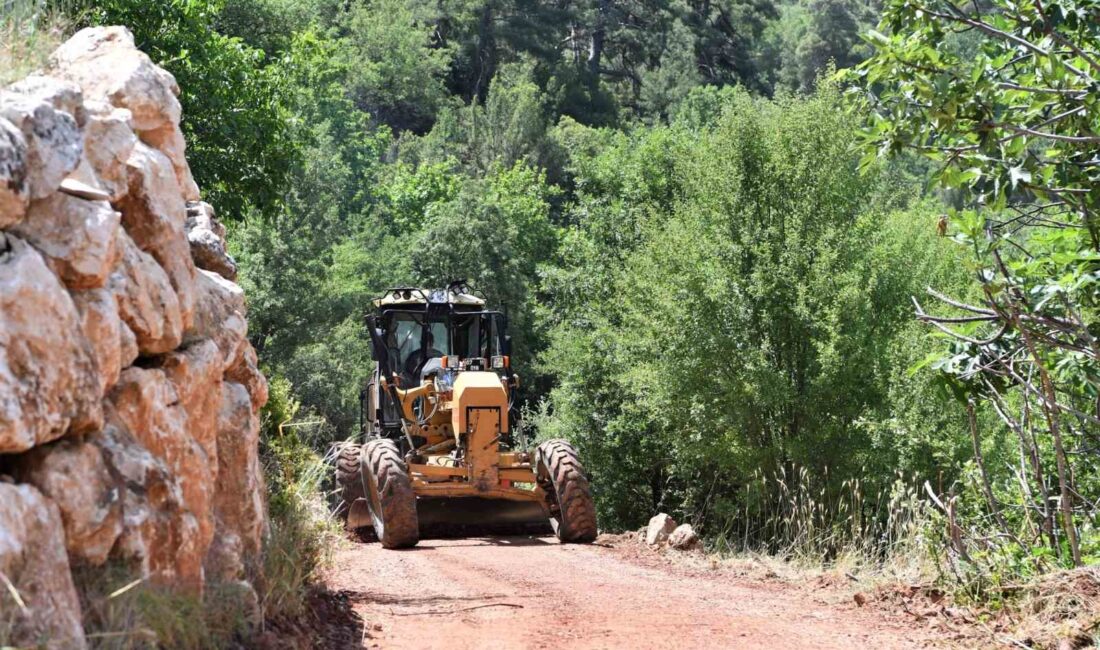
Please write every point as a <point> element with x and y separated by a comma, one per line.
<point>714,247</point>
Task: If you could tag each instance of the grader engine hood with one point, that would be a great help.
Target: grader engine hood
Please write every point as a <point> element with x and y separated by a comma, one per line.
<point>479,412</point>
<point>476,394</point>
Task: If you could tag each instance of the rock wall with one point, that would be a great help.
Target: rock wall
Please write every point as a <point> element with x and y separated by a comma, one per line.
<point>129,395</point>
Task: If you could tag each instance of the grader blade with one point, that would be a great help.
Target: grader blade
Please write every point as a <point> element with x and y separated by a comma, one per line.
<point>472,516</point>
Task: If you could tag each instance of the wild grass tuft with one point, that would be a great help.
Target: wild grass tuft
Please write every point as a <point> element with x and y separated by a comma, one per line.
<point>29,31</point>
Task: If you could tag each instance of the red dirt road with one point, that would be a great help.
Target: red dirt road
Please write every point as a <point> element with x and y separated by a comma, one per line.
<point>520,592</point>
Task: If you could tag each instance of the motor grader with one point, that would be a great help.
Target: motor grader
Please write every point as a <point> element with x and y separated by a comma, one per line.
<point>438,417</point>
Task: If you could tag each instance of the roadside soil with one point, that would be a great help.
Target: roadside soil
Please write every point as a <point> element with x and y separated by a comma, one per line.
<point>532,592</point>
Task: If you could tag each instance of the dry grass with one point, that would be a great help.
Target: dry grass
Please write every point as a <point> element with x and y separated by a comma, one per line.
<point>29,31</point>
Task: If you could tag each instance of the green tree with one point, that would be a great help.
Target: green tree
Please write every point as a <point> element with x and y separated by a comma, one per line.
<point>1001,96</point>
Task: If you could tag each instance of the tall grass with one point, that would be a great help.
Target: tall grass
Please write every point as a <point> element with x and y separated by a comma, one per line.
<point>800,518</point>
<point>29,31</point>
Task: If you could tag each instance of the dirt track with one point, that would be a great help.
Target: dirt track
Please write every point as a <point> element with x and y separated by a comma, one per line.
<point>534,593</point>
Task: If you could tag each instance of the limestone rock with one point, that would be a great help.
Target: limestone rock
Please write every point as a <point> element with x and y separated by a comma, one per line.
<point>207,239</point>
<point>102,328</point>
<point>223,559</point>
<point>155,522</point>
<point>59,93</point>
<point>77,237</point>
<point>146,300</point>
<point>128,351</point>
<point>153,213</point>
<point>238,500</point>
<point>13,174</point>
<point>106,63</point>
<point>246,371</point>
<point>660,527</point>
<point>32,557</point>
<point>48,379</point>
<point>108,142</point>
<point>146,404</point>
<point>196,373</point>
<point>219,316</point>
<point>683,538</point>
<point>73,475</point>
<point>54,142</point>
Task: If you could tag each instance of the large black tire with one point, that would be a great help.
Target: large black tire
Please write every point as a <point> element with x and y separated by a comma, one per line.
<point>389,494</point>
<point>349,478</point>
<point>561,475</point>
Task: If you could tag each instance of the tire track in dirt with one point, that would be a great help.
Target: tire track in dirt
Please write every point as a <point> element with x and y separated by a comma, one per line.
<point>516,593</point>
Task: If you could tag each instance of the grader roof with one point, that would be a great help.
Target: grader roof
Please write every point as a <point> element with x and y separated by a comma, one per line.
<point>420,296</point>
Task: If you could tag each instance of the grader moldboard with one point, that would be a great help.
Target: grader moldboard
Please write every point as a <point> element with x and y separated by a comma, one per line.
<point>438,415</point>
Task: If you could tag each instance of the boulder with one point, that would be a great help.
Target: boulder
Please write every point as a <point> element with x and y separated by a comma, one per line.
<point>103,329</point>
<point>219,316</point>
<point>238,500</point>
<point>147,302</point>
<point>207,239</point>
<point>59,93</point>
<point>74,476</point>
<point>683,538</point>
<point>13,174</point>
<point>660,527</point>
<point>146,404</point>
<point>155,526</point>
<point>105,62</point>
<point>108,142</point>
<point>48,379</point>
<point>54,142</point>
<point>153,213</point>
<point>33,560</point>
<point>196,373</point>
<point>77,237</point>
<point>246,371</point>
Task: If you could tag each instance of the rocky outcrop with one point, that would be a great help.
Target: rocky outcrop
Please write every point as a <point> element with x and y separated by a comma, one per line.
<point>129,395</point>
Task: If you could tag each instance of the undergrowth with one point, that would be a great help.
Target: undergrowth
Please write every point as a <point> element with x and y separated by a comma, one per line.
<point>29,31</point>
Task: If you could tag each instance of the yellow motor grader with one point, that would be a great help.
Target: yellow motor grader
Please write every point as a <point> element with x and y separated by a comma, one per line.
<point>438,414</point>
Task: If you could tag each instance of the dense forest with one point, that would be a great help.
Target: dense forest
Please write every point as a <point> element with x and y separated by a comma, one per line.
<point>811,274</point>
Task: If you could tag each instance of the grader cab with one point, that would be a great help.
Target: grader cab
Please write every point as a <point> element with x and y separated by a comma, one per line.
<point>438,416</point>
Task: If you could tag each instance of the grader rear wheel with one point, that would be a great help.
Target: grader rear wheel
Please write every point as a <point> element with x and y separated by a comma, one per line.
<point>561,475</point>
<point>349,478</point>
<point>389,494</point>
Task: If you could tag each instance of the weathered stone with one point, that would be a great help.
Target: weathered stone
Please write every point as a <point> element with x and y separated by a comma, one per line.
<point>146,300</point>
<point>48,379</point>
<point>73,475</point>
<point>106,64</point>
<point>54,142</point>
<point>153,213</point>
<point>246,371</point>
<point>128,351</point>
<point>32,558</point>
<point>102,328</point>
<point>196,373</point>
<point>108,142</point>
<point>59,93</point>
<point>660,527</point>
<point>169,141</point>
<point>207,239</point>
<point>13,174</point>
<point>219,316</point>
<point>223,559</point>
<point>238,500</point>
<point>77,237</point>
<point>146,404</point>
<point>683,538</point>
<point>155,523</point>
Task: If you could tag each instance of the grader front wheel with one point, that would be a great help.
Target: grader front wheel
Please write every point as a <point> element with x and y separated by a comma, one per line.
<point>389,494</point>
<point>561,475</point>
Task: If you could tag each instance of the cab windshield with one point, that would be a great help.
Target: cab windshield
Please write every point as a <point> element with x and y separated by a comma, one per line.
<point>412,339</point>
